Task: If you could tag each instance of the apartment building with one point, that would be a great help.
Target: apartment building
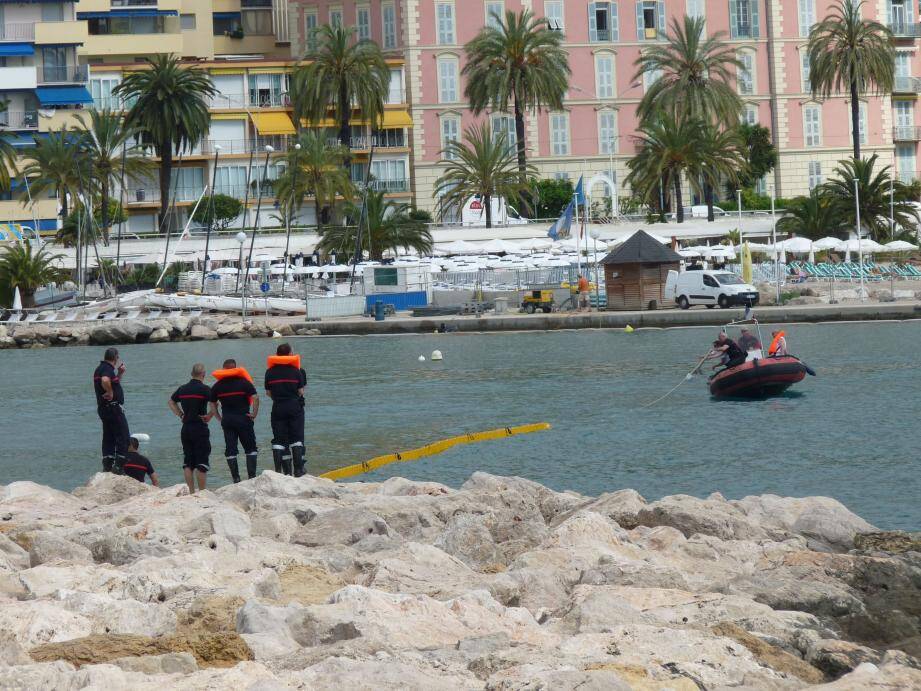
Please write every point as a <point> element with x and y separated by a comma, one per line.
<point>57,59</point>
<point>593,135</point>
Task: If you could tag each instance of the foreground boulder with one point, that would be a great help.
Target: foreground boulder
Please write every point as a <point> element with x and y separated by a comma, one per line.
<point>501,584</point>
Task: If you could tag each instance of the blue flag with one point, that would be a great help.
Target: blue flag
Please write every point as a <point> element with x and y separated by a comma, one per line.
<point>560,229</point>
<point>580,194</point>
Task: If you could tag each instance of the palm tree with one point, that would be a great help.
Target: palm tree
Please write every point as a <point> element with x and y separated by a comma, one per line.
<point>813,217</point>
<point>338,75</point>
<point>8,158</point>
<point>314,170</point>
<point>170,110</point>
<point>874,193</point>
<point>389,226</point>
<point>20,267</point>
<point>522,61</point>
<point>480,166</point>
<point>106,143</point>
<point>720,159</point>
<point>667,147</point>
<point>849,52</point>
<point>54,165</point>
<point>695,75</point>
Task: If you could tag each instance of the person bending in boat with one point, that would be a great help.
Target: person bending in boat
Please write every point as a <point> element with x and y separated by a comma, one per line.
<point>190,404</point>
<point>239,407</point>
<point>727,350</point>
<point>109,401</point>
<point>284,383</point>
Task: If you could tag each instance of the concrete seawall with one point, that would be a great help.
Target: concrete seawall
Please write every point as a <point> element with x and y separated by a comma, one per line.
<point>617,320</point>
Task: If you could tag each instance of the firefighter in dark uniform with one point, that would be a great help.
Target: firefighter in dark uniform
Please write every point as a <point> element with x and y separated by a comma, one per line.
<point>284,383</point>
<point>239,401</point>
<point>190,404</point>
<point>109,401</point>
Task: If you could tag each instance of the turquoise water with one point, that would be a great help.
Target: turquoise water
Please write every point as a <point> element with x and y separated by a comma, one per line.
<point>849,433</point>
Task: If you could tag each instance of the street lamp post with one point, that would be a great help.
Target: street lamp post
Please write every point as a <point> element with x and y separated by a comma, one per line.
<point>249,258</point>
<point>595,233</point>
<point>204,274</point>
<point>739,202</point>
<point>241,239</point>
<point>859,239</point>
<point>774,242</point>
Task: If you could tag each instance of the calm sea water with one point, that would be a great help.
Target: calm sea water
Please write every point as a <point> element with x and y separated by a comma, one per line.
<point>851,432</point>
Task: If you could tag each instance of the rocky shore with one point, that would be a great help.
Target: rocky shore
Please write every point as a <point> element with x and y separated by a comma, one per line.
<point>502,584</point>
<point>116,332</point>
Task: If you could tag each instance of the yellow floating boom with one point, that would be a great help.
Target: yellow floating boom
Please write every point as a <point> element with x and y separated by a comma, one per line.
<point>432,449</point>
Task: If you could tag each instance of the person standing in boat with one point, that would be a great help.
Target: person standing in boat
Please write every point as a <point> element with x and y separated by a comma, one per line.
<point>189,403</point>
<point>239,407</point>
<point>109,401</point>
<point>778,345</point>
<point>727,350</point>
<point>285,382</point>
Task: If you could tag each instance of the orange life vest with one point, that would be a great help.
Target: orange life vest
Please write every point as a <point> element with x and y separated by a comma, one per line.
<point>773,349</point>
<point>292,360</point>
<point>234,372</point>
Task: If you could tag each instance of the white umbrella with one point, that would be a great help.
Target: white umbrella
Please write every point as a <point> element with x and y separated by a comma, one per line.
<point>689,252</point>
<point>760,247</point>
<point>847,255</point>
<point>501,246</point>
<point>536,244</point>
<point>900,246</point>
<point>827,243</point>
<point>459,247</point>
<point>797,245</point>
<point>812,256</point>
<point>17,300</point>
<point>866,246</point>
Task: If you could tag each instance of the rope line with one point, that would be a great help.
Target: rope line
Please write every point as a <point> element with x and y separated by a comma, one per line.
<point>432,449</point>
<point>687,377</point>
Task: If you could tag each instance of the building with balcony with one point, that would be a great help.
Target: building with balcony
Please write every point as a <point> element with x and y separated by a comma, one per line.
<point>594,132</point>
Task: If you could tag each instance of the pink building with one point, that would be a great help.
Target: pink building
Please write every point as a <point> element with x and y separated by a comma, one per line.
<point>593,134</point>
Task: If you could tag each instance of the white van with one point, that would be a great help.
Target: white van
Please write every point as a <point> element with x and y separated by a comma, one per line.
<point>474,213</point>
<point>710,288</point>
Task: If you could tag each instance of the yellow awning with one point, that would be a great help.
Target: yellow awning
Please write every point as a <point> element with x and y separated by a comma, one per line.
<point>397,118</point>
<point>228,116</point>
<point>273,123</point>
<point>330,123</point>
<point>227,70</point>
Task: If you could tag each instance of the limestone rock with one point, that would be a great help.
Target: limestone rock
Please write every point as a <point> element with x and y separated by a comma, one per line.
<point>691,515</point>
<point>307,584</point>
<point>340,527</point>
<point>770,655</point>
<point>467,538</point>
<point>12,555</point>
<point>159,335</point>
<point>108,488</point>
<point>200,332</point>
<point>48,547</point>
<point>35,622</point>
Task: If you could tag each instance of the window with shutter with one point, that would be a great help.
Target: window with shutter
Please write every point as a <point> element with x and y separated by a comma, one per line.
<point>604,76</point>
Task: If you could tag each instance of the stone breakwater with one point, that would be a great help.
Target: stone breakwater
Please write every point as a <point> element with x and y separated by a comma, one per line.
<point>206,328</point>
<point>502,584</point>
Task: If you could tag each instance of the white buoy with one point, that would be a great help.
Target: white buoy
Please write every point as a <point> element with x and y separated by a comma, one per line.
<point>422,358</point>
<point>436,355</point>
<point>275,334</point>
<point>141,437</point>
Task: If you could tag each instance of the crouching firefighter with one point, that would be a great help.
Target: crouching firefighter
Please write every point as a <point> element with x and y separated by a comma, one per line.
<point>239,406</point>
<point>284,383</point>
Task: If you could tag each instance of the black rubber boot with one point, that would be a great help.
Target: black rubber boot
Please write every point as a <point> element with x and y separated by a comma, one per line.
<point>297,454</point>
<point>251,459</point>
<point>286,464</point>
<point>118,465</point>
<point>107,464</point>
<point>277,455</point>
<point>234,469</point>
